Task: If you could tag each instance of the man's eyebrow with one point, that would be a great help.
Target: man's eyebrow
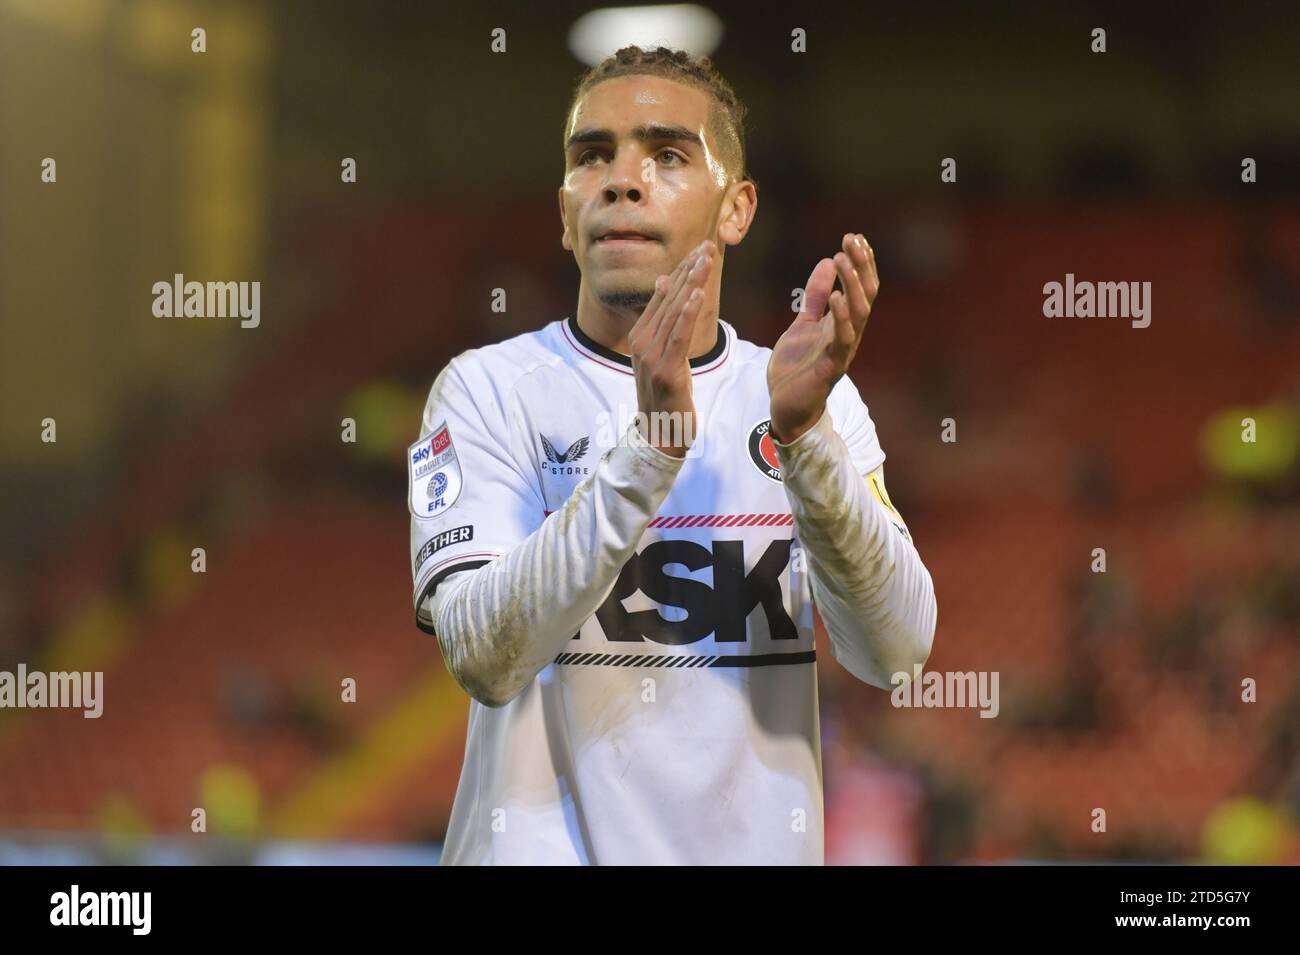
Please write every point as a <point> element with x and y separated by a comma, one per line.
<point>653,131</point>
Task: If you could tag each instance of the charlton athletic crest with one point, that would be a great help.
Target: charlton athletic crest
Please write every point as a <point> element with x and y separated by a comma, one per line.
<point>762,452</point>
<point>434,471</point>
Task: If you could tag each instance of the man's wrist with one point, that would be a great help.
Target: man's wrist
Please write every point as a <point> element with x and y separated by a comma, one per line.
<point>786,436</point>
<point>634,438</point>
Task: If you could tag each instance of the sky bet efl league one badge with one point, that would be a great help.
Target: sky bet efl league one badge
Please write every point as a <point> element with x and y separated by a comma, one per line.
<point>434,470</point>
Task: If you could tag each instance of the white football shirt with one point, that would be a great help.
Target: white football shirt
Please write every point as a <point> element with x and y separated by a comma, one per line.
<point>680,725</point>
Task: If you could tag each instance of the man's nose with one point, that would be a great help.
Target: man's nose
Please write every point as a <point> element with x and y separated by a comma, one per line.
<point>624,178</point>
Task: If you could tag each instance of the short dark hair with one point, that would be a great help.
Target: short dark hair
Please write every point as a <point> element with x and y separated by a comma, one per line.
<point>726,112</point>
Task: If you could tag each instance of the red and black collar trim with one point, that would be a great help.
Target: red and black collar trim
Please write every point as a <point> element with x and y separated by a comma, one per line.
<point>616,361</point>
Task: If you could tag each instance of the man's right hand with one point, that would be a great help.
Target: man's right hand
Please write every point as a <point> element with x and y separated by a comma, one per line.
<point>660,343</point>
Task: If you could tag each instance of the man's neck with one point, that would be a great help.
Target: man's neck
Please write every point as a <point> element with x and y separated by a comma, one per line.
<point>610,327</point>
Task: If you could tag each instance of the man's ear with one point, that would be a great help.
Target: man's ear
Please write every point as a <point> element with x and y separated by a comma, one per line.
<point>738,212</point>
<point>564,222</point>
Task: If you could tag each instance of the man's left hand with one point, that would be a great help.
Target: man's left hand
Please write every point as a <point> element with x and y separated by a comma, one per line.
<point>815,351</point>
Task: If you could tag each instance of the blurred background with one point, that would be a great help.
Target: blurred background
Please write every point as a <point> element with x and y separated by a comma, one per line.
<point>1120,690</point>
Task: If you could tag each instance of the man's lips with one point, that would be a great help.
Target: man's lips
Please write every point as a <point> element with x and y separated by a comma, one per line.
<point>618,235</point>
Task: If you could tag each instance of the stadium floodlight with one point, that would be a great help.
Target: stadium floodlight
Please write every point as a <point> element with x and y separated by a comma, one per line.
<point>680,26</point>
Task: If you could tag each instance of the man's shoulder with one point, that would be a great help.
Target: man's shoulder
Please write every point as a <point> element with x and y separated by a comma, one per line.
<point>505,362</point>
<point>485,377</point>
<point>520,353</point>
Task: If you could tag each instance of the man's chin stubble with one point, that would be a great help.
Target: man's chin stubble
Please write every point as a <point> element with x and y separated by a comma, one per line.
<point>636,299</point>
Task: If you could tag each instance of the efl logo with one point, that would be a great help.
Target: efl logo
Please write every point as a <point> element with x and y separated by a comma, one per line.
<point>437,488</point>
<point>762,452</point>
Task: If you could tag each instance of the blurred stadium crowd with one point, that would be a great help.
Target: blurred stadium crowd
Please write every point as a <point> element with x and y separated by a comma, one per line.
<point>1120,690</point>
